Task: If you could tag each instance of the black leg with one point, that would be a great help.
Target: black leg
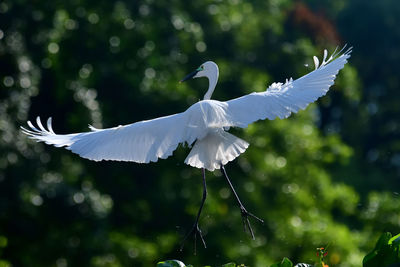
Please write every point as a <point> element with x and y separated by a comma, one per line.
<point>195,229</point>
<point>243,211</point>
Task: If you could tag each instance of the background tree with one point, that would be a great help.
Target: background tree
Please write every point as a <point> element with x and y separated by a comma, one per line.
<point>326,175</point>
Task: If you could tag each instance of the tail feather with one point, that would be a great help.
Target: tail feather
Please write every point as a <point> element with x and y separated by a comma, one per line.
<point>216,148</point>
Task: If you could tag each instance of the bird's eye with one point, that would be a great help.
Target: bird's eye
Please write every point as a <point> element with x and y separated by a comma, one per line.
<point>202,67</point>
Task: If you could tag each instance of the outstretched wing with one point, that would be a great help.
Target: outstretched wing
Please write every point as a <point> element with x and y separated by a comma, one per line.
<point>280,100</point>
<point>140,142</point>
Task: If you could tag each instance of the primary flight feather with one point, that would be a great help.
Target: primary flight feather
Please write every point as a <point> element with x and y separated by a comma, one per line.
<point>203,124</point>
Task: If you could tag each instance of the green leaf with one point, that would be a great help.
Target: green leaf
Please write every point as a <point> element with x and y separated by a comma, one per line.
<point>230,264</point>
<point>369,258</point>
<point>171,263</point>
<point>394,240</point>
<point>284,263</point>
<point>383,240</point>
<point>385,253</point>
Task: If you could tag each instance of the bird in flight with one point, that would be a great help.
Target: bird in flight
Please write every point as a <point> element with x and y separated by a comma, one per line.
<point>204,126</point>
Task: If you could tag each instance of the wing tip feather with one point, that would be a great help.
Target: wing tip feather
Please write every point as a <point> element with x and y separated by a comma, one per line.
<point>35,132</point>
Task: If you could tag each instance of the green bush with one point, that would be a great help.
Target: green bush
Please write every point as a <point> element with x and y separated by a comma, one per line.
<point>385,254</point>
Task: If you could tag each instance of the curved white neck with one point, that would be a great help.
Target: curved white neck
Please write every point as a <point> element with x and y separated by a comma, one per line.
<point>212,82</point>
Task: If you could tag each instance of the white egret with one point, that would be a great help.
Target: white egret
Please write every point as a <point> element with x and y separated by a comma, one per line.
<point>203,125</point>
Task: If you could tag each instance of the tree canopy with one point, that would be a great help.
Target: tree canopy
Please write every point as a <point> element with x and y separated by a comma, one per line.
<point>327,175</point>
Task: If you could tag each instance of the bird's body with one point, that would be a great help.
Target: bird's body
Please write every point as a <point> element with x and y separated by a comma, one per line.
<point>202,125</point>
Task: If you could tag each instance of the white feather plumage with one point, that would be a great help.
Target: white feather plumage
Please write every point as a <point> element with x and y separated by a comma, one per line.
<point>202,124</point>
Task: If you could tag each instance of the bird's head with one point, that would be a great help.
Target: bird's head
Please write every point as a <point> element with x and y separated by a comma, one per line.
<point>208,69</point>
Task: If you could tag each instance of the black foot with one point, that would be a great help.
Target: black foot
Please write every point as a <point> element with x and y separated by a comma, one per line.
<point>246,222</point>
<point>243,211</point>
<point>195,230</point>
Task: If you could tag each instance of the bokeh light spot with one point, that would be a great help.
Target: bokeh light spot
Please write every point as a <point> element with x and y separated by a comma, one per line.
<point>37,200</point>
<point>201,46</point>
<point>79,198</point>
<point>93,18</point>
<point>129,24</point>
<point>8,81</point>
<point>53,48</point>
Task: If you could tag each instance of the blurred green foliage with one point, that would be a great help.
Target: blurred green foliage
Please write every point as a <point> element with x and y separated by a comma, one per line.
<point>329,174</point>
